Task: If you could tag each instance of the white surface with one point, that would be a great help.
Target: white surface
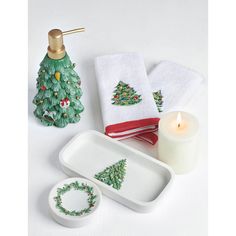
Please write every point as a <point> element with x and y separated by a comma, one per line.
<point>141,195</point>
<point>173,30</point>
<point>74,200</point>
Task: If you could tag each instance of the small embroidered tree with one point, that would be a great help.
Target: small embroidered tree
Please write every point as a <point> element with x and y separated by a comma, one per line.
<point>113,175</point>
<point>125,95</point>
<point>58,98</point>
<point>158,99</point>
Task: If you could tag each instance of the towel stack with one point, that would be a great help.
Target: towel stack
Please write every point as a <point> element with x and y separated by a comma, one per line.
<point>126,94</point>
<point>127,104</point>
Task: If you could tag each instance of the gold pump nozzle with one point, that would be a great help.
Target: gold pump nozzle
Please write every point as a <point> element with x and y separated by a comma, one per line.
<point>56,48</point>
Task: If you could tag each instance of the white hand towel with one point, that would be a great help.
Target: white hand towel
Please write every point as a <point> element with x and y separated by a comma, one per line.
<point>177,84</point>
<point>127,104</point>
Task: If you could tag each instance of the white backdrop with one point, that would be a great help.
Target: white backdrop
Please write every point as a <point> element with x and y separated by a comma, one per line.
<point>172,30</point>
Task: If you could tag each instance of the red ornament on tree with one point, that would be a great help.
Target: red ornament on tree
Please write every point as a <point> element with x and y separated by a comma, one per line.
<point>135,97</point>
<point>43,87</point>
<point>65,103</point>
<point>116,96</point>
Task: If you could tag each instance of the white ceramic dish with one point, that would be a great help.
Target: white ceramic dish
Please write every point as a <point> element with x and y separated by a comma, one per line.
<point>74,202</point>
<point>146,180</point>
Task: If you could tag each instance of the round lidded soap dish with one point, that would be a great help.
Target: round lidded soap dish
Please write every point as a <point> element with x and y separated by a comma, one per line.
<point>74,202</point>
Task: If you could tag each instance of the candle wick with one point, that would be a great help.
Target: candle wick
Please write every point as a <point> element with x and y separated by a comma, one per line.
<point>178,125</point>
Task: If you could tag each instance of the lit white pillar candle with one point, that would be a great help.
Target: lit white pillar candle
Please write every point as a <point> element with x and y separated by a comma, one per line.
<point>177,141</point>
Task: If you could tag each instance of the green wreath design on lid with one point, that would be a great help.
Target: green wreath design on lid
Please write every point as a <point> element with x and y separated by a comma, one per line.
<point>76,186</point>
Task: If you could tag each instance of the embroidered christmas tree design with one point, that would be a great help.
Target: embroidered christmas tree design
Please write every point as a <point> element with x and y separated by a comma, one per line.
<point>158,97</point>
<point>124,95</point>
<point>113,175</point>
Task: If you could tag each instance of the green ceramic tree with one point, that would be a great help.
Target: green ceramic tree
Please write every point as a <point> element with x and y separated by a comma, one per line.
<point>58,98</point>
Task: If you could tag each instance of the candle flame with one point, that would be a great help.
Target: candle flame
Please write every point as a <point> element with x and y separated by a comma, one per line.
<point>179,119</point>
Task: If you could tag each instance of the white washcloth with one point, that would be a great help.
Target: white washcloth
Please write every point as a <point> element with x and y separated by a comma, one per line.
<point>122,121</point>
<point>177,83</point>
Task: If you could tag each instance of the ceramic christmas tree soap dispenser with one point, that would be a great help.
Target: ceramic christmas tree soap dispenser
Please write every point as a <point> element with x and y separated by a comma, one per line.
<point>58,98</point>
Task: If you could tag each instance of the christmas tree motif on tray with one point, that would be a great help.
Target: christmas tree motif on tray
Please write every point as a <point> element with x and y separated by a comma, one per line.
<point>158,97</point>
<point>125,95</point>
<point>113,175</point>
<point>58,98</point>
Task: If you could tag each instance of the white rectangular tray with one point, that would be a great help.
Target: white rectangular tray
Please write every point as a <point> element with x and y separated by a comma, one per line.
<point>146,178</point>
